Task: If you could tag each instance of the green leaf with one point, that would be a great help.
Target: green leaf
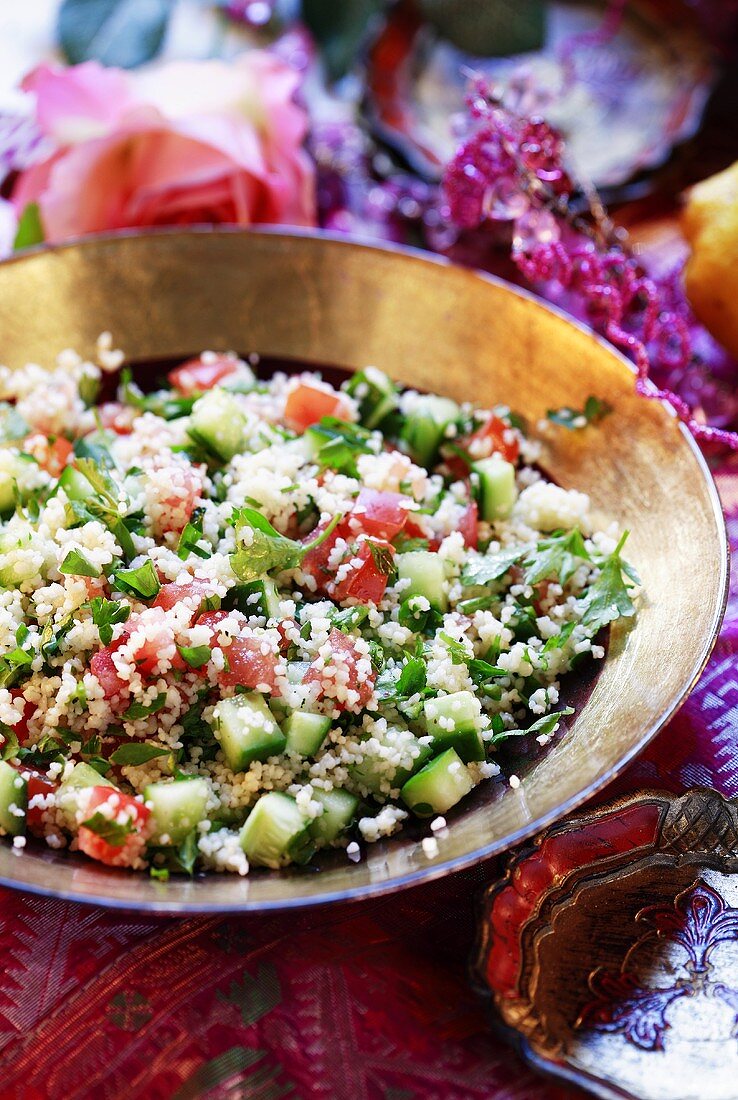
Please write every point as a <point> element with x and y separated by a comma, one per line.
<point>109,830</point>
<point>190,538</point>
<point>559,556</point>
<point>492,567</point>
<point>574,419</point>
<point>76,564</point>
<point>383,558</point>
<point>139,710</point>
<point>30,229</point>
<point>98,454</point>
<point>420,622</point>
<point>349,618</point>
<point>608,597</point>
<point>411,680</point>
<point>10,745</point>
<point>12,424</point>
<point>268,551</point>
<point>493,29</point>
<point>195,656</point>
<point>122,33</point>
<point>51,637</point>
<point>142,581</point>
<point>543,726</point>
<point>105,615</point>
<point>339,442</point>
<point>339,29</point>
<point>135,753</point>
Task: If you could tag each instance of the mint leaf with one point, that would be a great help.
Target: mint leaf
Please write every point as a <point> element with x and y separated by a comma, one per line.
<point>134,754</point>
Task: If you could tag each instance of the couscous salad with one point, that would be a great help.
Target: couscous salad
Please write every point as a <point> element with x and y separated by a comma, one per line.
<point>243,620</point>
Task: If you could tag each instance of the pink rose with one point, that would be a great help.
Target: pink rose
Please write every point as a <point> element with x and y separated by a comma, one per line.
<point>177,144</point>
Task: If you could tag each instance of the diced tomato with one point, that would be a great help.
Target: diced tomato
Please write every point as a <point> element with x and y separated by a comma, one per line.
<point>37,784</point>
<point>20,729</point>
<point>468,525</point>
<point>212,618</point>
<point>380,513</point>
<point>103,667</point>
<point>346,656</point>
<point>494,436</point>
<point>414,531</point>
<point>116,417</point>
<point>122,805</point>
<point>170,595</point>
<point>247,666</point>
<point>307,404</point>
<point>200,374</point>
<point>284,629</point>
<point>51,452</point>
<point>315,562</point>
<point>366,583</point>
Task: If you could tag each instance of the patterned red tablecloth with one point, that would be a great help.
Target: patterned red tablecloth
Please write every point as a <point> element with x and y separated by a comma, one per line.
<point>358,1002</point>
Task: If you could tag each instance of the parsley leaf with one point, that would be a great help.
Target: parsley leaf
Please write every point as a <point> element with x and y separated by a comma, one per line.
<point>195,656</point>
<point>493,566</point>
<point>558,556</point>
<point>608,597</point>
<point>383,558</point>
<point>189,540</point>
<point>411,680</point>
<point>338,443</point>
<point>420,622</point>
<point>105,615</point>
<point>75,564</point>
<point>142,582</point>
<point>593,412</point>
<point>266,550</point>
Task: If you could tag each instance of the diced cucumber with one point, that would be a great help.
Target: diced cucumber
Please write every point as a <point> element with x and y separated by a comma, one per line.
<point>75,485</point>
<point>426,574</point>
<point>438,786</point>
<point>259,597</point>
<point>462,709</point>
<point>376,394</point>
<point>84,775</point>
<point>14,467</point>
<point>217,422</point>
<point>176,808</point>
<point>13,796</point>
<point>425,427</point>
<point>246,730</point>
<point>296,671</point>
<point>276,832</point>
<point>497,489</point>
<point>339,810</point>
<point>372,772</point>
<point>305,732</point>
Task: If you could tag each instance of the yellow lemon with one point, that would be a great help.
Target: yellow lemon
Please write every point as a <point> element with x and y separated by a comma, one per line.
<point>710,224</point>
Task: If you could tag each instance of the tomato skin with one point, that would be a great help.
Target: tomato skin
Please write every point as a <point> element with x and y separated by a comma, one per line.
<point>344,647</point>
<point>170,595</point>
<point>468,522</point>
<point>197,375</point>
<point>366,583</point>
<point>491,437</point>
<point>380,513</point>
<point>307,404</point>
<point>115,855</point>
<point>51,452</point>
<point>20,729</point>
<point>37,783</point>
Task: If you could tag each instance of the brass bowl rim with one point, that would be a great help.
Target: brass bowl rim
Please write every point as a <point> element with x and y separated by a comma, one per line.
<point>496,845</point>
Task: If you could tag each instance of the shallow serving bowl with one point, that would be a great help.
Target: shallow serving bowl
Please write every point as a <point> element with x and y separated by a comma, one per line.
<point>440,328</point>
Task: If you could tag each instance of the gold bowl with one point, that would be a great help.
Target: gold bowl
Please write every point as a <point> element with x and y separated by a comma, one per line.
<point>442,328</point>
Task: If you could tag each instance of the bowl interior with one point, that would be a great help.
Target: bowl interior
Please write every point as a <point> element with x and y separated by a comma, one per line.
<point>444,329</point>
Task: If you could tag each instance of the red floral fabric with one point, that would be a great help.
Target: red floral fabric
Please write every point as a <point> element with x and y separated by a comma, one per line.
<point>369,1001</point>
